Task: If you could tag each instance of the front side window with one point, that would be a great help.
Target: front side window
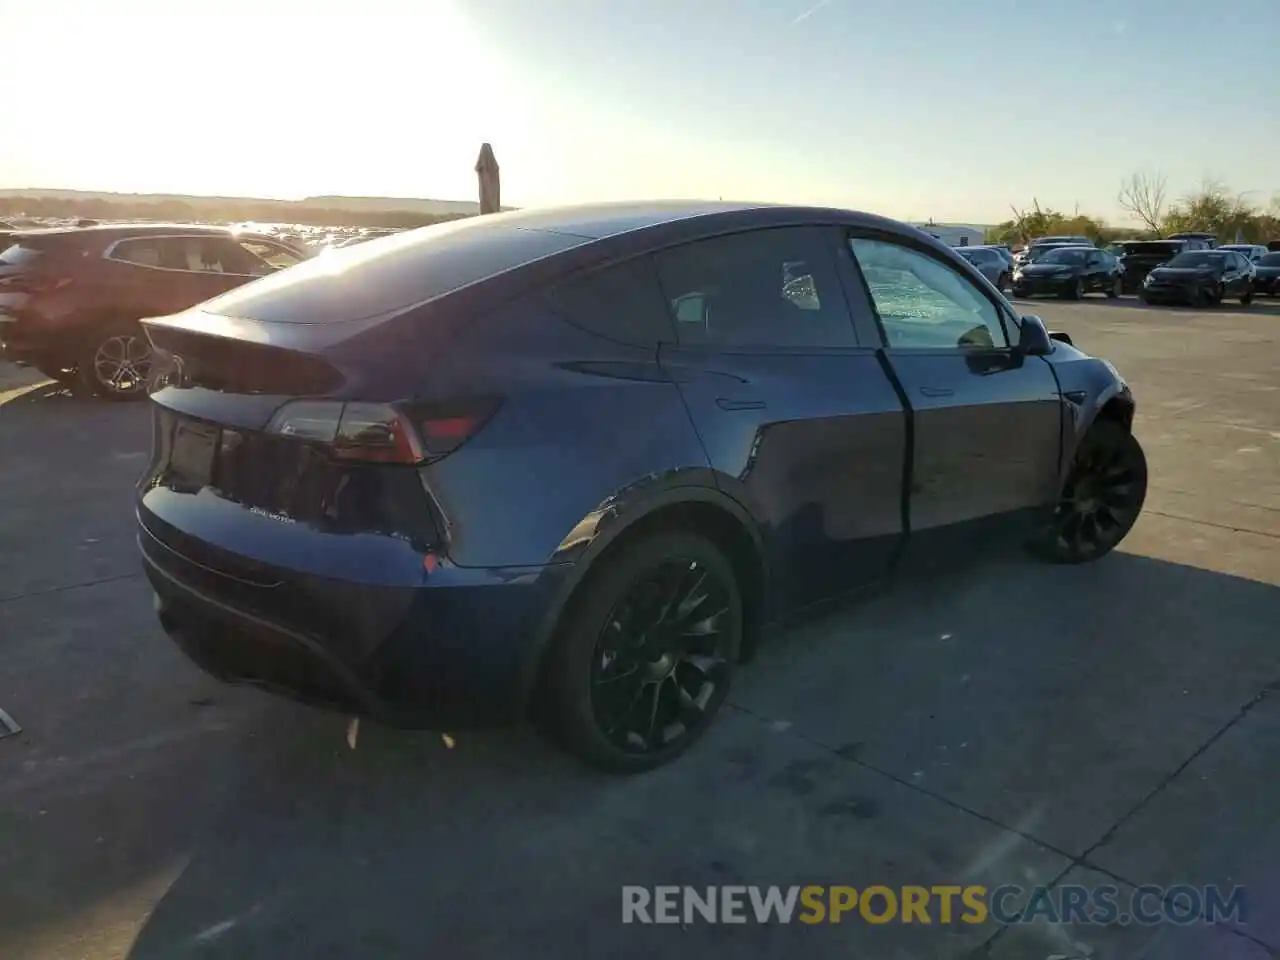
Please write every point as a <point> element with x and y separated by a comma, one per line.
<point>764,288</point>
<point>923,303</point>
<point>273,256</point>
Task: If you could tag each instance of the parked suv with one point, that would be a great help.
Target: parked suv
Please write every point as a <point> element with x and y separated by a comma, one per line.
<point>1143,256</point>
<point>71,298</point>
<point>570,460</point>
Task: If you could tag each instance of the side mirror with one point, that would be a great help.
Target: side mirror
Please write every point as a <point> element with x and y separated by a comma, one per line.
<point>1033,338</point>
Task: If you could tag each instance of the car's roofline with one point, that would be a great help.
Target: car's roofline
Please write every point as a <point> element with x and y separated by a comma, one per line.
<point>134,229</point>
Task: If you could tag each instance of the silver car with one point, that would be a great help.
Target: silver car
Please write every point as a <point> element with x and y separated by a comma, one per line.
<point>990,263</point>
<point>1252,252</point>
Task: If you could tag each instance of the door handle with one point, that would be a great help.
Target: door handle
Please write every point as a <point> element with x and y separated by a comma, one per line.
<point>936,391</point>
<point>724,403</point>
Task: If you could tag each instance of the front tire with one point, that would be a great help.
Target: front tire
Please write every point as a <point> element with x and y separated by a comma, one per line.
<point>1114,292</point>
<point>117,364</point>
<point>1101,500</point>
<point>1077,290</point>
<point>1002,282</point>
<point>1246,298</point>
<point>645,656</point>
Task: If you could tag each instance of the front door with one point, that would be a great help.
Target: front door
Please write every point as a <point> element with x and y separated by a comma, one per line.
<point>799,421</point>
<point>986,421</point>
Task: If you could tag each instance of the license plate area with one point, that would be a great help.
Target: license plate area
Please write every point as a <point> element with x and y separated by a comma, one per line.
<point>192,455</point>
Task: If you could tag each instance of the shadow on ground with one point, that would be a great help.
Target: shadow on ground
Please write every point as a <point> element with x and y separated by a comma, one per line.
<point>267,837</point>
<point>1258,308</point>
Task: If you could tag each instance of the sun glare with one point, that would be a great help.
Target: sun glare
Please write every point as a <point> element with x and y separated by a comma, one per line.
<point>284,99</point>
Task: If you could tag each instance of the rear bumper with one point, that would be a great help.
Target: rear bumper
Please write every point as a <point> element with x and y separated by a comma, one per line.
<point>456,651</point>
<point>27,341</point>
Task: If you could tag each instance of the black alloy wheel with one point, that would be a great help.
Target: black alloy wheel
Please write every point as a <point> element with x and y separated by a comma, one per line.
<point>1077,289</point>
<point>1246,298</point>
<point>1115,290</point>
<point>1102,498</point>
<point>645,662</point>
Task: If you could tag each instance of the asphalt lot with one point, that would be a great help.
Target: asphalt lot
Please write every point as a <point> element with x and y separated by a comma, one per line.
<point>1009,724</point>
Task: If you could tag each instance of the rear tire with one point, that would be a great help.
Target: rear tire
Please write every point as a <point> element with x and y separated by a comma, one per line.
<point>630,653</point>
<point>1100,501</point>
<point>117,364</point>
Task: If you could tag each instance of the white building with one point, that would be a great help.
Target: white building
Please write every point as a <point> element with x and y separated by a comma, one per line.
<point>956,234</point>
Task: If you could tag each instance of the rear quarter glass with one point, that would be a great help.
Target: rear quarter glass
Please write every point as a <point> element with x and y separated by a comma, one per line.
<point>390,273</point>
<point>622,302</point>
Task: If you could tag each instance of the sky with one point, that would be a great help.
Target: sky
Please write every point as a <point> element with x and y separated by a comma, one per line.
<point>943,109</point>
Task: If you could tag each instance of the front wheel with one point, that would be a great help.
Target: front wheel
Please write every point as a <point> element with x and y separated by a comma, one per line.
<point>1002,282</point>
<point>644,661</point>
<point>117,364</point>
<point>1101,499</point>
<point>1076,292</point>
<point>1114,292</point>
<point>1246,298</point>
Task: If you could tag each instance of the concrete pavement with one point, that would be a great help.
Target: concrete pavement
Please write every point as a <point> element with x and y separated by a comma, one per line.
<point>1007,723</point>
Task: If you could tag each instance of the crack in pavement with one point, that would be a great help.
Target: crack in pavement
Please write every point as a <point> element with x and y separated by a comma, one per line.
<point>48,591</point>
<point>1074,861</point>
<point>1210,523</point>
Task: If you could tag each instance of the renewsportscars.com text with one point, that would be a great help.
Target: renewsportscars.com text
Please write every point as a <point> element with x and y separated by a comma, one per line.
<point>940,904</point>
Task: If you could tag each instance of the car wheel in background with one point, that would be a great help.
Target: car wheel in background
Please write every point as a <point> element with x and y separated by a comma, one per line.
<point>1101,499</point>
<point>117,364</point>
<point>1115,290</point>
<point>1002,283</point>
<point>1246,298</point>
<point>645,655</point>
<point>1076,292</point>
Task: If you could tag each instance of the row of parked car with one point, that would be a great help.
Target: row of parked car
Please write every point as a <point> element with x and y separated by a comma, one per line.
<point>1182,268</point>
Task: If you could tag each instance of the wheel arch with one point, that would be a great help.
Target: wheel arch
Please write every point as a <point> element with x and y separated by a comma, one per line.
<point>700,509</point>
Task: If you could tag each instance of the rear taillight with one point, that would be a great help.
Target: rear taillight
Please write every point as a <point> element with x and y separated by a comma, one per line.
<point>381,433</point>
<point>32,283</point>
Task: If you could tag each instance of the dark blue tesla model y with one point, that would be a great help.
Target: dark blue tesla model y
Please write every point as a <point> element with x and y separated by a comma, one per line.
<point>575,458</point>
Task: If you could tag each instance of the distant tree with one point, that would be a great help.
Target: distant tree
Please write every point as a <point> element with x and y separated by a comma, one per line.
<point>1143,195</point>
<point>1212,208</point>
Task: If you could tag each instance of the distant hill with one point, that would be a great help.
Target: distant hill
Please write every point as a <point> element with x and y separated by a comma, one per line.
<point>325,210</point>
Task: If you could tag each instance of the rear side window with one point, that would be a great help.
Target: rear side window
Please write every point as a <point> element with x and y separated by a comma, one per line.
<point>764,288</point>
<point>151,252</point>
<point>188,254</point>
<point>622,302</point>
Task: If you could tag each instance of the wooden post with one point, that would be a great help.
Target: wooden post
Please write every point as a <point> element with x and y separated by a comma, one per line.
<point>490,186</point>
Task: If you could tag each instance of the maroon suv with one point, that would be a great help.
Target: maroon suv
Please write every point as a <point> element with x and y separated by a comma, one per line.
<point>71,299</point>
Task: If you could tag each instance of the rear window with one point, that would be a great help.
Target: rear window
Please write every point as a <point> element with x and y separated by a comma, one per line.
<point>390,273</point>
<point>1154,249</point>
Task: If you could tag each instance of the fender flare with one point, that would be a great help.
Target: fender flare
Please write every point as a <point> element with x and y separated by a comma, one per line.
<point>613,525</point>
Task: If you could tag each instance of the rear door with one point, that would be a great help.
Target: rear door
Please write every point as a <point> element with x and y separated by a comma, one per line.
<point>986,421</point>
<point>798,419</point>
